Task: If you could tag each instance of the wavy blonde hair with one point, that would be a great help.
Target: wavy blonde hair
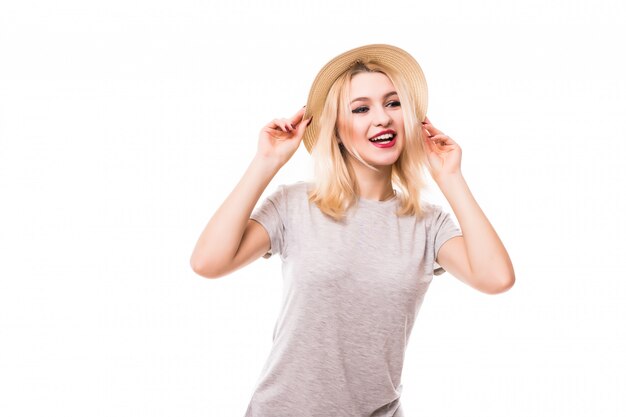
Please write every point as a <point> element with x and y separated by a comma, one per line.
<point>336,189</point>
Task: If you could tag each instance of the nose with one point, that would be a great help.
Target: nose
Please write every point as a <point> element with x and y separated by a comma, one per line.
<point>381,117</point>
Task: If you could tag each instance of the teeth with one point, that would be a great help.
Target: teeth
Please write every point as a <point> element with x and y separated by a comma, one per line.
<point>386,136</point>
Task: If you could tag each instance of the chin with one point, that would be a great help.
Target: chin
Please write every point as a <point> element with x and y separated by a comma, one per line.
<point>382,162</point>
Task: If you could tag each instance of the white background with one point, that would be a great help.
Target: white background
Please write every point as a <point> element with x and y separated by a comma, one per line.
<point>125,124</point>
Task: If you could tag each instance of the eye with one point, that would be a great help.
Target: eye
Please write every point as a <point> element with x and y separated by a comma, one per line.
<point>394,103</point>
<point>360,109</point>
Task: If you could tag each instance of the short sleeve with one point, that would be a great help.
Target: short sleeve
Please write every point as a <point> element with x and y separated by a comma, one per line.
<point>271,214</point>
<point>443,229</point>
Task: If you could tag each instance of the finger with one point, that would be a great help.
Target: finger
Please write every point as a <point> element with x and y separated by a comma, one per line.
<point>429,133</point>
<point>427,120</point>
<point>444,136</point>
<point>277,124</point>
<point>297,118</point>
<point>432,130</point>
<point>443,140</point>
<point>285,125</point>
<point>302,127</point>
<point>429,126</point>
<point>280,124</point>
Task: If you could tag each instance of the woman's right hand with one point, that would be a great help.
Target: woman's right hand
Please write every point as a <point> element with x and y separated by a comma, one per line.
<point>280,138</point>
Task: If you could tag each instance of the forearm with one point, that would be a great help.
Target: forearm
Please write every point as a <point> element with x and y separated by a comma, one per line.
<point>221,237</point>
<point>487,256</point>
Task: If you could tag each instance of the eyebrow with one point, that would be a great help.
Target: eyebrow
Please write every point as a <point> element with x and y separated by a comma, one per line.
<point>389,94</point>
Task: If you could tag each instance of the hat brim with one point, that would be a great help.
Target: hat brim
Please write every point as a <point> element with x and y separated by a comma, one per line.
<point>389,55</point>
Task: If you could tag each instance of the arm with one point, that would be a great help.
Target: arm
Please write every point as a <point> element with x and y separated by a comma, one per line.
<point>219,242</point>
<point>477,258</point>
<point>231,240</point>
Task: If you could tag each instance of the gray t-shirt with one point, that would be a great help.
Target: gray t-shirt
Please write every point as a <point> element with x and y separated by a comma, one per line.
<point>351,292</point>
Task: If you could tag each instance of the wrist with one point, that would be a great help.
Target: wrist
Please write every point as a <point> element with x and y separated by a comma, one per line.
<point>449,178</point>
<point>266,164</point>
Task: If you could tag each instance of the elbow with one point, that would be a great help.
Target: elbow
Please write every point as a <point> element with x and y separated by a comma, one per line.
<point>204,269</point>
<point>501,284</point>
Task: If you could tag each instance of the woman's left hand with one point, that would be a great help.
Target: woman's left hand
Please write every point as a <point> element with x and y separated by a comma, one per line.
<point>444,154</point>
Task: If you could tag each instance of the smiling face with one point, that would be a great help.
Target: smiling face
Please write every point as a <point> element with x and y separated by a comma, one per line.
<point>375,110</point>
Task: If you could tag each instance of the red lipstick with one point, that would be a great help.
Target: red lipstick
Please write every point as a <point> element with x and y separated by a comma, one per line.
<point>390,136</point>
<point>384,132</point>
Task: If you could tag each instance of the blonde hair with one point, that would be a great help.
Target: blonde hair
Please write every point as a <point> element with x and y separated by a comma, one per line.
<point>336,189</point>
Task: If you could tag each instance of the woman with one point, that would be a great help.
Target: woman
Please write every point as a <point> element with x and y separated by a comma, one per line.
<point>357,255</point>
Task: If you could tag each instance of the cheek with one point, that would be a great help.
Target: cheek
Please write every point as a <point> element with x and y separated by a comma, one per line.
<point>351,131</point>
<point>400,125</point>
<point>345,127</point>
<point>360,127</point>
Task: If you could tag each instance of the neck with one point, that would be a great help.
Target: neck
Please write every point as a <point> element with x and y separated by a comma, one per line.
<point>374,185</point>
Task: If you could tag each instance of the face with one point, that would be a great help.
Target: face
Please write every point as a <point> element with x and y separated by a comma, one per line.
<point>375,109</point>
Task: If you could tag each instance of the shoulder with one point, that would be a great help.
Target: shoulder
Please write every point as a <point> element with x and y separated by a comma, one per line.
<point>288,193</point>
<point>295,189</point>
<point>298,186</point>
<point>431,211</point>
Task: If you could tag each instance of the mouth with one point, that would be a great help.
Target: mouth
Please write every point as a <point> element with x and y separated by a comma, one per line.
<point>387,138</point>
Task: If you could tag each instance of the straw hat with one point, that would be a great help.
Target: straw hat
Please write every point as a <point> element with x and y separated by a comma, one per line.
<point>401,60</point>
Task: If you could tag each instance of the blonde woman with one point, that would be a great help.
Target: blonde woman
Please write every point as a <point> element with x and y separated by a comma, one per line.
<point>359,246</point>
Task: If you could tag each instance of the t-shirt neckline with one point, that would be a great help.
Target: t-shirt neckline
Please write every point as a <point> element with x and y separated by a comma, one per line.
<point>390,201</point>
